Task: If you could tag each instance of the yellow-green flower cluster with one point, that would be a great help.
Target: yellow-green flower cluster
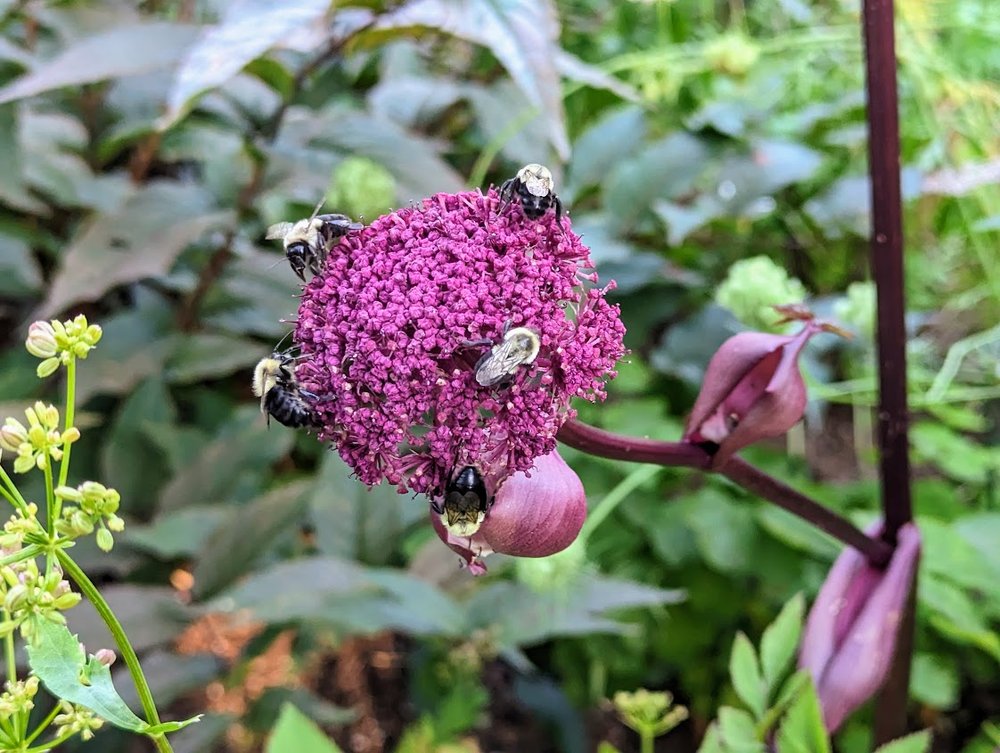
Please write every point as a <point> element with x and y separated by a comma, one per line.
<point>18,697</point>
<point>58,343</point>
<point>30,595</point>
<point>93,505</point>
<point>645,711</point>
<point>40,441</point>
<point>76,720</point>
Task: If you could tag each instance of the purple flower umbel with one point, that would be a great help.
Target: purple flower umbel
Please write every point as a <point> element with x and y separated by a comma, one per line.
<point>392,330</point>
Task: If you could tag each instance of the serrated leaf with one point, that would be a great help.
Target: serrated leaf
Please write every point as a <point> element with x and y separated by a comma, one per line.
<point>58,660</point>
<point>522,34</point>
<point>248,29</point>
<point>802,730</point>
<point>745,674</point>
<point>115,53</point>
<point>233,547</point>
<point>780,639</point>
<point>918,742</point>
<point>295,731</point>
<point>141,239</point>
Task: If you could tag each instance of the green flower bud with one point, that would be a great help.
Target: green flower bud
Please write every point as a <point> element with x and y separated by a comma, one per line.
<point>12,435</point>
<point>361,188</point>
<point>732,53</point>
<point>66,601</point>
<point>41,341</point>
<point>116,524</point>
<point>47,367</point>
<point>24,463</point>
<point>105,540</point>
<point>68,493</point>
<point>858,309</point>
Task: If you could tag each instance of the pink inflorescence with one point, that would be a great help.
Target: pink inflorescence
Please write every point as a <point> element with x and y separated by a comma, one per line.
<point>392,329</point>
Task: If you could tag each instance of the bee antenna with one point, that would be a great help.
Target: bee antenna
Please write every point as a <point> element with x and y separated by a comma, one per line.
<point>316,210</point>
<point>283,338</point>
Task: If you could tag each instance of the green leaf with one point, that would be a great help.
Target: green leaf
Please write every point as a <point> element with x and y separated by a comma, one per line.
<point>606,747</point>
<point>295,731</point>
<point>746,677</point>
<point>522,34</point>
<point>712,742</point>
<point>248,29</point>
<point>780,639</point>
<point>802,730</point>
<point>738,731</point>
<point>724,529</point>
<point>602,146</point>
<point>234,547</point>
<point>58,660</point>
<point>141,239</point>
<point>115,53</point>
<point>206,355</point>
<point>934,680</point>
<point>918,742</point>
<point>178,534</point>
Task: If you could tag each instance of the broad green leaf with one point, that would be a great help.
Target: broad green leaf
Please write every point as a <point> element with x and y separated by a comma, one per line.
<point>247,532</point>
<point>141,239</point>
<point>255,296</point>
<point>60,663</point>
<point>181,533</point>
<point>233,465</point>
<point>207,355</point>
<point>522,34</point>
<point>796,533</point>
<point>802,730</point>
<point>600,148</point>
<point>725,531</point>
<point>115,53</point>
<point>13,190</point>
<point>19,273</point>
<point>780,640</point>
<point>738,731</point>
<point>248,29</point>
<point>918,742</point>
<point>712,742</point>
<point>934,680</point>
<point>132,464</point>
<point>606,747</point>
<point>575,69</point>
<point>295,731</point>
<point>745,673</point>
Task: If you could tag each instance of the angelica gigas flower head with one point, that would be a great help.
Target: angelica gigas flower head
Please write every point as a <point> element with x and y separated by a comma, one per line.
<point>390,334</point>
<point>753,388</point>
<point>534,514</point>
<point>853,628</point>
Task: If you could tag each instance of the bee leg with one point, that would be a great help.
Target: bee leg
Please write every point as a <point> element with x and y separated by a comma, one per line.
<point>437,507</point>
<point>559,209</point>
<point>298,265</point>
<point>506,192</point>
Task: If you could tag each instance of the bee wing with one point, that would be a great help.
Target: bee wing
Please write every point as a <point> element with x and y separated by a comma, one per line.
<point>499,364</point>
<point>279,230</point>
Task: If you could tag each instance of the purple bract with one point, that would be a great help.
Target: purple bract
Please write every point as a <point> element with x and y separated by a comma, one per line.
<point>390,333</point>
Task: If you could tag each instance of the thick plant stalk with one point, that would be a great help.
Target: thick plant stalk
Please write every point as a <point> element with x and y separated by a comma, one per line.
<point>887,269</point>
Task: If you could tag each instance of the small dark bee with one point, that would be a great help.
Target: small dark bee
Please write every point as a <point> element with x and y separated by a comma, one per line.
<point>279,393</point>
<point>534,187</point>
<point>308,242</point>
<point>465,502</point>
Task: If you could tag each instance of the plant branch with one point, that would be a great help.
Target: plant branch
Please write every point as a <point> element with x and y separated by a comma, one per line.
<point>634,449</point>
<point>887,262</point>
<point>121,640</point>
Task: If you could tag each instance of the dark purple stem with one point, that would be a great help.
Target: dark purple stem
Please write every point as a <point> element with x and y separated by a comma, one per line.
<point>887,263</point>
<point>887,268</point>
<point>619,447</point>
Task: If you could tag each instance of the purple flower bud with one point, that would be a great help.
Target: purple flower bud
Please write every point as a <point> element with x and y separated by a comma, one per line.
<point>753,389</point>
<point>105,656</point>
<point>533,515</point>
<point>851,633</point>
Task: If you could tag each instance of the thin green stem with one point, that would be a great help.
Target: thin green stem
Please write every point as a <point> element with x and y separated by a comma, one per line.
<point>45,747</point>
<point>21,503</point>
<point>44,725</point>
<point>50,499</point>
<point>8,651</point>
<point>70,412</point>
<point>121,640</point>
<point>613,498</point>
<point>478,172</point>
<point>647,740</point>
<point>9,497</point>
<point>32,550</point>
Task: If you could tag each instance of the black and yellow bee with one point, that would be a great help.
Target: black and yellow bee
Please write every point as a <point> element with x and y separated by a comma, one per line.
<point>534,188</point>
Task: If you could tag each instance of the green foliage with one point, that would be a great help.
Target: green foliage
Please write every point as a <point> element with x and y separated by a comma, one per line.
<point>145,148</point>
<point>295,731</point>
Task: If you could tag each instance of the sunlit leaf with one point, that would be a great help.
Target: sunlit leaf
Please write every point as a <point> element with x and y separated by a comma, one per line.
<point>780,640</point>
<point>745,673</point>
<point>248,29</point>
<point>295,731</point>
<point>115,53</point>
<point>802,730</point>
<point>522,34</point>
<point>918,742</point>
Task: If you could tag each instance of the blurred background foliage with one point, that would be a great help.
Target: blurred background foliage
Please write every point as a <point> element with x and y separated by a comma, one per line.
<point>145,148</point>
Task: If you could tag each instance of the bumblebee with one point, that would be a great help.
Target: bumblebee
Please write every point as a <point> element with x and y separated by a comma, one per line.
<point>307,242</point>
<point>534,188</point>
<point>279,393</point>
<point>519,347</point>
<point>465,502</point>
